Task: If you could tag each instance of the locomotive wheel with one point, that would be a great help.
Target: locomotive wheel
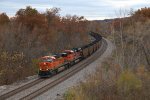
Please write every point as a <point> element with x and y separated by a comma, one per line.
<point>67,66</point>
<point>72,63</point>
<point>55,72</point>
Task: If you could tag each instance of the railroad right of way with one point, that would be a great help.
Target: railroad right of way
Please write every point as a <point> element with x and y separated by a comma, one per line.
<point>42,87</point>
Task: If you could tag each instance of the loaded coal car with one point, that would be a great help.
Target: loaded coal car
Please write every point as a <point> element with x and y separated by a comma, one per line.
<point>90,48</point>
<point>85,51</point>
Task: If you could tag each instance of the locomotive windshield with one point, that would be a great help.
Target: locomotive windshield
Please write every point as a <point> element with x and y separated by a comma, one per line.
<point>64,54</point>
<point>69,51</point>
<point>47,60</point>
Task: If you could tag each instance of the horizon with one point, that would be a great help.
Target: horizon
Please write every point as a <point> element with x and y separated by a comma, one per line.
<point>90,9</point>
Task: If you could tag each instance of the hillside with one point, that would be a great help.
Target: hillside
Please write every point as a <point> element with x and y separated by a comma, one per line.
<point>31,34</point>
<point>125,75</point>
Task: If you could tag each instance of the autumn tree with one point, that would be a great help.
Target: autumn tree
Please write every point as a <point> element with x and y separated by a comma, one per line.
<point>52,15</point>
<point>142,14</point>
<point>4,18</point>
<point>30,17</point>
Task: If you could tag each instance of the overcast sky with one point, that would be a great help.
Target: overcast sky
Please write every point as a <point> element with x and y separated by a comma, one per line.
<point>91,9</point>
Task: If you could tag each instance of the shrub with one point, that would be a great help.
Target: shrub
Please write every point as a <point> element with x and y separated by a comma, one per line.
<point>35,64</point>
<point>128,83</point>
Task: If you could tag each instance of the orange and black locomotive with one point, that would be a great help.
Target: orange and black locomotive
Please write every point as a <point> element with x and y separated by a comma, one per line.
<point>50,65</point>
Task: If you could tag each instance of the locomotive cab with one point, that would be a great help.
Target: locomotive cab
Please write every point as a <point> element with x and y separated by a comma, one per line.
<point>69,55</point>
<point>46,65</point>
<point>64,54</point>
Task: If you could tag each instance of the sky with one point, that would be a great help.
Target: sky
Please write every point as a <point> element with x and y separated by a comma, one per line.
<point>90,9</point>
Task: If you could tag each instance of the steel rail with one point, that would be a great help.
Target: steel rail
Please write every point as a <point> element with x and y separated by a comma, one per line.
<point>19,89</point>
<point>67,75</point>
<point>29,85</point>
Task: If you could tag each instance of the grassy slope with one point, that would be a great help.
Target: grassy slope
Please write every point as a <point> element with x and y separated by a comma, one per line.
<point>125,75</point>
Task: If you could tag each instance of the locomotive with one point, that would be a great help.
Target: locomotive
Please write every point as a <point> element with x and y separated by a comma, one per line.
<point>50,65</point>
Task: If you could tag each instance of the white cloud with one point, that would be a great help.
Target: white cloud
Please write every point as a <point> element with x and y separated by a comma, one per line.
<point>126,3</point>
<point>91,9</point>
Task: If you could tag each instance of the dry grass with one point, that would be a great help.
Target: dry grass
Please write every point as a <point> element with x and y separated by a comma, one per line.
<point>110,83</point>
<point>124,76</point>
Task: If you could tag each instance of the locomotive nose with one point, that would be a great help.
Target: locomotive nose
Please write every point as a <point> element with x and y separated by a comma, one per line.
<point>43,66</point>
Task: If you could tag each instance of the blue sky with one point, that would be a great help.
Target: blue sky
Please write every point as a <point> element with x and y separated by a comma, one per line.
<point>91,9</point>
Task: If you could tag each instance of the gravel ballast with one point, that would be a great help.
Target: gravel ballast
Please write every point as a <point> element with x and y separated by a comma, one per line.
<point>6,88</point>
<point>57,91</point>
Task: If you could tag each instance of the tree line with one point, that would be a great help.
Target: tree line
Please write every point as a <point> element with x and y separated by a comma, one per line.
<point>31,34</point>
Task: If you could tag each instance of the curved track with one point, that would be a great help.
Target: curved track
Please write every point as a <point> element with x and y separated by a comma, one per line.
<point>79,67</point>
<point>68,74</point>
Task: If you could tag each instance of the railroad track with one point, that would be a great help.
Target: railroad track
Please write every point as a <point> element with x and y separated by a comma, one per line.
<point>62,76</point>
<point>67,75</point>
<point>19,89</point>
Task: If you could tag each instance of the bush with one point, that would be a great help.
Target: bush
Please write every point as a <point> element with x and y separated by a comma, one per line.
<point>69,95</point>
<point>35,63</point>
<point>128,83</point>
<point>13,67</point>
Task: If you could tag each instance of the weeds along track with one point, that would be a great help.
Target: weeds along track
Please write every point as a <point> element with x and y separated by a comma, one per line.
<point>53,80</point>
<point>68,73</point>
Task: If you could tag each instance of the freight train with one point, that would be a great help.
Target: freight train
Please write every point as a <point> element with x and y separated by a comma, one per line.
<point>50,65</point>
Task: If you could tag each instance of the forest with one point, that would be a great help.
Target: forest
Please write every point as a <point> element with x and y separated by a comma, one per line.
<point>31,34</point>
